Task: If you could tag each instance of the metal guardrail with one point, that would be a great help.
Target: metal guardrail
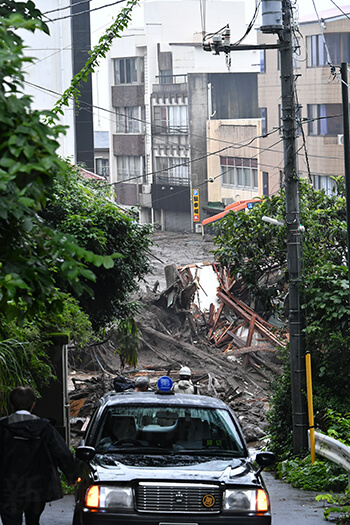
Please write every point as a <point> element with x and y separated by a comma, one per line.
<point>333,450</point>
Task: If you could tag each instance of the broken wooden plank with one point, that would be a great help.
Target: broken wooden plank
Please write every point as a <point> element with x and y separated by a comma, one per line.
<point>223,333</point>
<point>217,317</point>
<point>237,340</point>
<point>218,275</point>
<point>247,316</point>
<point>250,349</point>
<point>247,308</point>
<point>249,338</point>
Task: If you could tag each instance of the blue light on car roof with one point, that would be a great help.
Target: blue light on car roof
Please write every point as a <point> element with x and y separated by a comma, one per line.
<point>164,384</point>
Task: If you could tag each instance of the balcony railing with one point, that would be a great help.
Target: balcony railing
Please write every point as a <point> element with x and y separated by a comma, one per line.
<point>172,79</point>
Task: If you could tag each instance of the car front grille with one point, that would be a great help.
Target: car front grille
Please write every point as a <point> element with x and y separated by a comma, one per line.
<point>178,497</point>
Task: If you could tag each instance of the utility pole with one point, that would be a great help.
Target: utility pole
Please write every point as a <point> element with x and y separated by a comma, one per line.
<point>276,18</point>
<point>346,139</point>
<point>296,339</point>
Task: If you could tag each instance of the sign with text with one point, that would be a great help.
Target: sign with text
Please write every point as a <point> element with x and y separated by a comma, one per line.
<point>195,205</point>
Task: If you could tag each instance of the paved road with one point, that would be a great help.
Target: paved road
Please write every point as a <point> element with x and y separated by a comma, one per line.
<point>289,506</point>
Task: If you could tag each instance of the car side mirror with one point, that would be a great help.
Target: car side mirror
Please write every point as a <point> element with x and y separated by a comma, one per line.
<point>85,453</point>
<point>265,459</point>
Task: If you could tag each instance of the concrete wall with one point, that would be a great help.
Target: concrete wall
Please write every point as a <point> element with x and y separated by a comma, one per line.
<point>238,132</point>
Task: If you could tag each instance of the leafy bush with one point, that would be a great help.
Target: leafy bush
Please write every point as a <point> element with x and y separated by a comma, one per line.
<point>321,475</point>
<point>339,511</point>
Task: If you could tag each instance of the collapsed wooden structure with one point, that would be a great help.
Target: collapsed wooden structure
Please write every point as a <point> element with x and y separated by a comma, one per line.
<point>243,331</point>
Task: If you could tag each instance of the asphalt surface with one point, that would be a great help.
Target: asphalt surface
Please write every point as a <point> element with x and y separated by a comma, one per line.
<point>289,506</point>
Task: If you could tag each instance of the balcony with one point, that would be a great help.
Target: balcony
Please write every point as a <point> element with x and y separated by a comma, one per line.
<point>175,85</point>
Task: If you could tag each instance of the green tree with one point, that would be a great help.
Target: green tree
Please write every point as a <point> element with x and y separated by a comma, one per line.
<point>256,252</point>
<point>42,267</point>
<point>32,256</point>
<point>87,209</point>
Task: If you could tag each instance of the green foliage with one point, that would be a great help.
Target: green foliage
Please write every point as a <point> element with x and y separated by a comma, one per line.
<point>280,413</point>
<point>33,257</point>
<point>19,364</point>
<point>27,10</point>
<point>320,475</point>
<point>23,348</point>
<point>128,336</point>
<point>339,511</point>
<point>256,252</point>
<point>337,425</point>
<point>87,209</point>
<point>53,253</point>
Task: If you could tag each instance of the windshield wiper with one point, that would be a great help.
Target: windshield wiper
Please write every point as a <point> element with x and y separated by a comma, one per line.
<point>143,450</point>
<point>210,452</point>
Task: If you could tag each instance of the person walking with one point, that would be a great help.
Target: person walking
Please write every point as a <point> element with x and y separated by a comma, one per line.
<point>31,449</point>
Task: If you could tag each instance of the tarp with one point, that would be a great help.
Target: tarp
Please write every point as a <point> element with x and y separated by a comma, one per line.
<point>235,206</point>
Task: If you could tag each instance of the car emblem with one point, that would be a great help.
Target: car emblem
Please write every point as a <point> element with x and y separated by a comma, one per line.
<point>208,501</point>
<point>179,497</point>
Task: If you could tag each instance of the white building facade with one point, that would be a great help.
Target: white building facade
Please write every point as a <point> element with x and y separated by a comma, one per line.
<point>161,98</point>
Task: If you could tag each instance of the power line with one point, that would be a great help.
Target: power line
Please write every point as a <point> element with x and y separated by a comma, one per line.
<point>323,37</point>
<point>340,9</point>
<point>67,7</point>
<point>84,12</point>
<point>230,144</point>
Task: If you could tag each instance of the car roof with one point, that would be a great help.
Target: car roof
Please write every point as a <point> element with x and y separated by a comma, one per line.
<point>168,400</point>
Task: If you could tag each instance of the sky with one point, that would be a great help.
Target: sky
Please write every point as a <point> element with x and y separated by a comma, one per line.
<point>306,7</point>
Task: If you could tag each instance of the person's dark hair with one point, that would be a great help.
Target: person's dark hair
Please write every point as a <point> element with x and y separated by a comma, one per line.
<point>22,398</point>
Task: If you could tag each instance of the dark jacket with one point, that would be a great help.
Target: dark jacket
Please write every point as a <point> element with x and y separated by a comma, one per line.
<point>31,449</point>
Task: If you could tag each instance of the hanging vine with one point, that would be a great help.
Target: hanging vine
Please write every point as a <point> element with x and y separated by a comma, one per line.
<point>98,52</point>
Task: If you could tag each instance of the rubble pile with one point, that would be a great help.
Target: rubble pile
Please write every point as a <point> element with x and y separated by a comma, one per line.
<point>231,349</point>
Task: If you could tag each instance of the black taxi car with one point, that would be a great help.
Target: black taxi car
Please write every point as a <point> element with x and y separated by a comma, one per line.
<point>155,458</point>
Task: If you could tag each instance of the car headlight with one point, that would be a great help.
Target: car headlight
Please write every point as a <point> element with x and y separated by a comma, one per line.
<point>242,500</point>
<point>100,496</point>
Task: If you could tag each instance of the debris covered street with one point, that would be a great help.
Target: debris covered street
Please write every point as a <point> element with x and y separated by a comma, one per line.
<point>194,315</point>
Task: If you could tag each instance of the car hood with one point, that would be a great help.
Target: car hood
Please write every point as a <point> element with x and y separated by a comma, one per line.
<point>112,468</point>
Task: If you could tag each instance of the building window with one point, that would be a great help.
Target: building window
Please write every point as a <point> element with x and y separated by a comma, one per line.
<point>263,121</point>
<point>237,171</point>
<point>338,45</point>
<point>172,170</point>
<point>130,119</point>
<point>265,183</point>
<point>102,167</point>
<point>323,182</point>
<point>171,119</point>
<point>130,168</point>
<point>262,61</point>
<point>128,70</point>
<point>324,119</point>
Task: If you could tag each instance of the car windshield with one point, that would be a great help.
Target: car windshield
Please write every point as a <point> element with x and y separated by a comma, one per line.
<point>148,429</point>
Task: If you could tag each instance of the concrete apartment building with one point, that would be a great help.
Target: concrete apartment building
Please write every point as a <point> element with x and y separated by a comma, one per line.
<point>164,89</point>
<point>318,98</point>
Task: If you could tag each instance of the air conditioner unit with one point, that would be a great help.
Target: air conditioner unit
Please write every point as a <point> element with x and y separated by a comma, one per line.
<point>341,139</point>
<point>146,188</point>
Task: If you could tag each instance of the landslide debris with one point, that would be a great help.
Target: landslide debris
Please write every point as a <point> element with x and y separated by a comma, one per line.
<point>231,350</point>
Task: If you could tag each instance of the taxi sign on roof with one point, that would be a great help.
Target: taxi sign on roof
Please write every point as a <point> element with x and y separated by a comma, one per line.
<point>164,384</point>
